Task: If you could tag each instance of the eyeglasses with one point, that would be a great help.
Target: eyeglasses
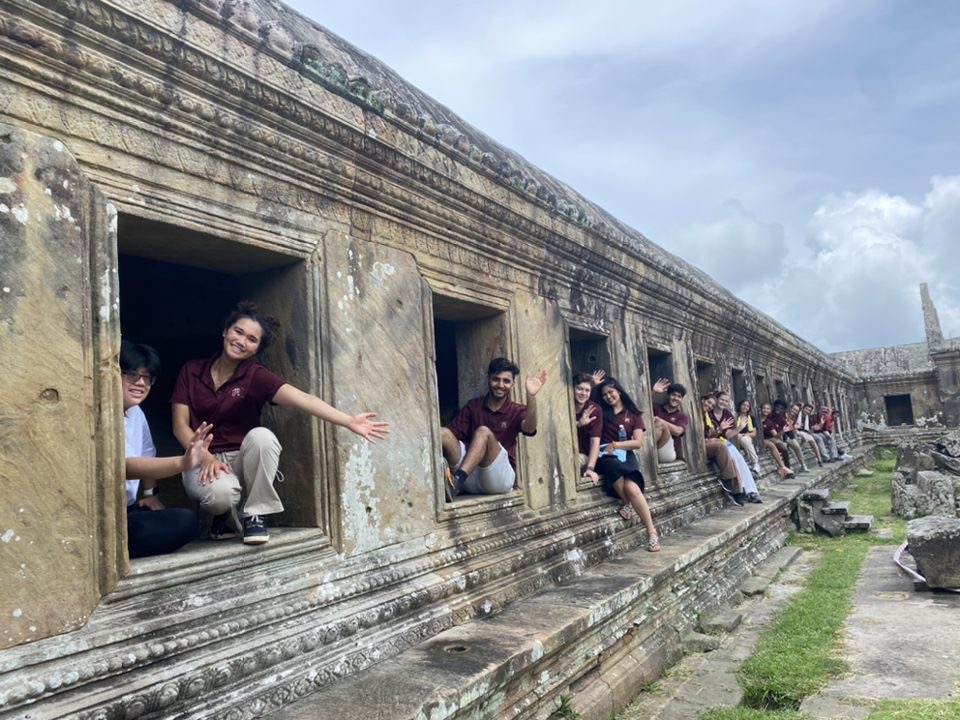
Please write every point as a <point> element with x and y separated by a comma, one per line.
<point>134,377</point>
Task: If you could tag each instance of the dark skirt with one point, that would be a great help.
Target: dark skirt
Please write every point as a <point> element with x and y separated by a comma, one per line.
<point>610,469</point>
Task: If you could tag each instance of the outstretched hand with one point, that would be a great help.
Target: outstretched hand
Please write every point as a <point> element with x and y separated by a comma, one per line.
<point>365,426</point>
<point>661,385</point>
<point>535,381</point>
<point>727,423</point>
<point>597,377</point>
<point>198,447</point>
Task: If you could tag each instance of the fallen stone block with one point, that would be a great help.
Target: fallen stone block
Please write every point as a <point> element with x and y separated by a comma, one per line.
<point>724,621</point>
<point>754,586</point>
<point>934,543</point>
<point>858,523</point>
<point>949,444</point>
<point>695,642</point>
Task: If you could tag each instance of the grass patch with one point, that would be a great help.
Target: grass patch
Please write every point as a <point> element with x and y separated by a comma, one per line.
<point>798,654</point>
<point>915,710</point>
<point>742,713</point>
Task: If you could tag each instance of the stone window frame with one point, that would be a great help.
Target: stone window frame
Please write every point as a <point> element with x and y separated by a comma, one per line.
<point>465,296</point>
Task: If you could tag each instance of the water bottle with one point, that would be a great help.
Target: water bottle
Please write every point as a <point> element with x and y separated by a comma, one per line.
<point>620,453</point>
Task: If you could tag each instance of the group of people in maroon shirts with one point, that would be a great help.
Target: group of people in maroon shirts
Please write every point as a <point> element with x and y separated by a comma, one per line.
<point>230,461</point>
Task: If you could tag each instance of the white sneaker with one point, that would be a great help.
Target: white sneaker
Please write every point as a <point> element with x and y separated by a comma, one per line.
<point>756,468</point>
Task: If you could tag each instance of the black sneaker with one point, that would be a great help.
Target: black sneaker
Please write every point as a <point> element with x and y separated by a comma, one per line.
<point>735,498</point>
<point>754,498</point>
<point>222,527</point>
<point>254,531</point>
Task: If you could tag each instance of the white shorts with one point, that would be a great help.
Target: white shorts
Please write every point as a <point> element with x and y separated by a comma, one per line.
<point>495,479</point>
<point>667,453</point>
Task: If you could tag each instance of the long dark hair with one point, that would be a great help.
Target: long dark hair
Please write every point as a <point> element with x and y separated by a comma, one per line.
<point>625,398</point>
<point>269,324</point>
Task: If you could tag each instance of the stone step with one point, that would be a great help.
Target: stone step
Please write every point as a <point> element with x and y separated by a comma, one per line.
<point>858,523</point>
<point>724,621</point>
<point>836,508</point>
<point>816,495</point>
<point>757,583</point>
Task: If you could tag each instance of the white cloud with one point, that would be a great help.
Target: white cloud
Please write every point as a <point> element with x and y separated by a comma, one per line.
<point>856,283</point>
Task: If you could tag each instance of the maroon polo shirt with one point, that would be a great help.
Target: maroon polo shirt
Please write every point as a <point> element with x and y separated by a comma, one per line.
<point>591,430</point>
<point>674,417</point>
<point>772,424</point>
<point>611,426</point>
<point>234,408</point>
<point>504,423</point>
<point>726,414</point>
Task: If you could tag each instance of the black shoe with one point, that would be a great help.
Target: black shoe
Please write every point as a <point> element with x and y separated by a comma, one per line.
<point>222,527</point>
<point>754,498</point>
<point>735,498</point>
<point>254,531</point>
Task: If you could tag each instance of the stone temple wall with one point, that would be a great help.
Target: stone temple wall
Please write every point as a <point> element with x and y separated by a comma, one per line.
<point>160,161</point>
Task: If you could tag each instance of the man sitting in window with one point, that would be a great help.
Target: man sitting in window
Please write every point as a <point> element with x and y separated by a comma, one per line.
<point>481,442</point>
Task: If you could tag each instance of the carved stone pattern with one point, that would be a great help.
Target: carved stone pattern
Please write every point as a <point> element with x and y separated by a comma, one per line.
<point>586,525</point>
<point>168,50</point>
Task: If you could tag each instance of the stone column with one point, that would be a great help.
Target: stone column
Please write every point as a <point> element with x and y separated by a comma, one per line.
<point>62,520</point>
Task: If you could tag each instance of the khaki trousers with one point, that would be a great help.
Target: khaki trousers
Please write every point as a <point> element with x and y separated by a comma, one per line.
<point>717,451</point>
<point>253,469</point>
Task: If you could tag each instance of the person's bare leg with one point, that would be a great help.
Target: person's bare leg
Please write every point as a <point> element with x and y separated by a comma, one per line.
<point>632,492</point>
<point>777,457</point>
<point>450,446</point>
<point>482,450</point>
<point>661,433</point>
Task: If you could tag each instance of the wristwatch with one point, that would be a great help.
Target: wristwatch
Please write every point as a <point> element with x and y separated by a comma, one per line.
<point>151,492</point>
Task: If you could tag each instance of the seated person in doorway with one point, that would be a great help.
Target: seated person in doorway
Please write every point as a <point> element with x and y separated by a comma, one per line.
<point>618,466</point>
<point>789,433</point>
<point>837,436</point>
<point>717,449</point>
<point>152,529</point>
<point>747,433</point>
<point>589,425</point>
<point>813,424</point>
<point>773,439</point>
<point>481,442</point>
<point>801,425</point>
<point>670,422</point>
<point>827,428</point>
<point>229,390</point>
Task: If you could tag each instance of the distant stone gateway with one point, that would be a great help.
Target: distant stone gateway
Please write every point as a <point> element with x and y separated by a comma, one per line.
<point>162,161</point>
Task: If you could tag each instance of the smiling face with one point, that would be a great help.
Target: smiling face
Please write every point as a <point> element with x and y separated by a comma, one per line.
<point>136,386</point>
<point>745,407</point>
<point>500,384</point>
<point>723,401</point>
<point>610,395</point>
<point>581,392</point>
<point>242,339</point>
<point>674,399</point>
<point>765,410</point>
<point>709,404</point>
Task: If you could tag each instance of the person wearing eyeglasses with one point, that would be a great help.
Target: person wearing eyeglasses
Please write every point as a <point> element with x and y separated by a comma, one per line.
<point>152,528</point>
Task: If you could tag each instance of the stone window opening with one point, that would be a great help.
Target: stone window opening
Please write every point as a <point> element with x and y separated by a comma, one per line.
<point>467,335</point>
<point>176,287</point>
<point>706,380</point>
<point>589,351</point>
<point>899,409</point>
<point>740,394</point>
<point>660,363</point>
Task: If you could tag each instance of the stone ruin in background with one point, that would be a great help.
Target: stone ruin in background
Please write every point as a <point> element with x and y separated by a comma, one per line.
<point>926,491</point>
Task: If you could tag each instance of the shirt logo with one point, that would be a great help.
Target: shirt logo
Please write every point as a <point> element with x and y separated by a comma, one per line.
<point>236,392</point>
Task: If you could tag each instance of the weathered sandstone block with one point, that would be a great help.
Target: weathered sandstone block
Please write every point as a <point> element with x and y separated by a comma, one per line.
<point>935,545</point>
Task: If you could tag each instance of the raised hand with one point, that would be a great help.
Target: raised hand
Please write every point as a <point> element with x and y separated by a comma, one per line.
<point>366,427</point>
<point>198,447</point>
<point>535,381</point>
<point>727,424</point>
<point>586,418</point>
<point>597,377</point>
<point>661,385</point>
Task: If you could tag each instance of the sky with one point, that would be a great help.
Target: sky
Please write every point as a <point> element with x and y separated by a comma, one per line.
<point>804,153</point>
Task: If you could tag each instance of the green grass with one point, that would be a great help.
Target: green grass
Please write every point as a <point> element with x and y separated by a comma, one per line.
<point>799,653</point>
<point>915,710</point>
<point>742,713</point>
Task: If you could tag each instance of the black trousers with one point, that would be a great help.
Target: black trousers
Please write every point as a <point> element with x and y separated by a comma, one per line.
<point>158,532</point>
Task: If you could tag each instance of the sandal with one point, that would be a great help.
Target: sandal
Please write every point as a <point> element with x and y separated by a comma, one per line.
<point>625,511</point>
<point>653,545</point>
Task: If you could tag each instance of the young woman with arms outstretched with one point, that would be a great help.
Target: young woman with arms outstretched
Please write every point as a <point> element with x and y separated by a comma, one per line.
<point>236,476</point>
